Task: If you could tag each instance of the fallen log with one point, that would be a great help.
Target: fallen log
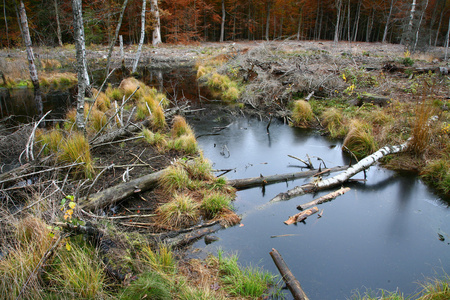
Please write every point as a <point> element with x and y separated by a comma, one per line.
<point>118,192</point>
<point>189,237</point>
<point>325,198</point>
<point>292,283</point>
<point>301,216</point>
<point>342,177</point>
<point>264,180</point>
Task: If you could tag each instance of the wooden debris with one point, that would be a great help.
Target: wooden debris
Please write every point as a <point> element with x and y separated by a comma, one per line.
<point>292,283</point>
<point>301,216</point>
<point>325,198</point>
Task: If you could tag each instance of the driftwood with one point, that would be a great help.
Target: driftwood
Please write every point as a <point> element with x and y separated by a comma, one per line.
<point>342,177</point>
<point>264,180</point>
<point>292,283</point>
<point>301,216</point>
<point>324,198</point>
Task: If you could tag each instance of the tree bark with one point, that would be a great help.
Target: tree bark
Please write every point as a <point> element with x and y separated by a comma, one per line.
<point>342,177</point>
<point>141,41</point>
<point>58,25</point>
<point>156,36</point>
<point>338,14</point>
<point>388,20</point>
<point>301,216</point>
<point>418,26</point>
<point>323,199</point>
<point>292,283</point>
<point>269,4</point>
<point>447,38</point>
<point>408,34</point>
<point>222,24</point>
<point>6,22</point>
<point>263,180</point>
<point>116,34</point>
<point>83,78</point>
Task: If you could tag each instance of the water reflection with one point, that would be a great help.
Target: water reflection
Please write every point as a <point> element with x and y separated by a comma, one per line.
<point>381,234</point>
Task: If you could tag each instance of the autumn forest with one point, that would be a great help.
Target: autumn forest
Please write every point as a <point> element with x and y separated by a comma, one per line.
<point>419,23</point>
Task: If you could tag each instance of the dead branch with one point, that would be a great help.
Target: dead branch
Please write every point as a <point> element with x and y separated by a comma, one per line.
<point>325,198</point>
<point>301,216</point>
<point>308,164</point>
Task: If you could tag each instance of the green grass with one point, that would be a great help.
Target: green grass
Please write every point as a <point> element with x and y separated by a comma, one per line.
<point>360,140</point>
<point>149,285</point>
<point>156,139</point>
<point>215,202</point>
<point>160,260</point>
<point>75,149</point>
<point>180,127</point>
<point>334,121</point>
<point>199,169</point>
<point>247,282</point>
<point>302,113</point>
<point>174,178</point>
<point>185,143</point>
<point>182,210</point>
<point>437,173</point>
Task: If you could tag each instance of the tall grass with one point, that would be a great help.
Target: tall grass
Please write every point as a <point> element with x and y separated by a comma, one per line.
<point>333,120</point>
<point>50,140</point>
<point>182,210</point>
<point>160,260</point>
<point>421,129</point>
<point>174,178</point>
<point>437,173</point>
<point>149,285</point>
<point>185,143</point>
<point>215,202</point>
<point>360,140</point>
<point>302,113</point>
<point>180,127</point>
<point>75,149</point>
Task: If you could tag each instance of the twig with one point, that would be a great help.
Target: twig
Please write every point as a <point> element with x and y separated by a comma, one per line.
<point>29,146</point>
<point>308,165</point>
<point>96,178</point>
<point>116,217</point>
<point>119,141</point>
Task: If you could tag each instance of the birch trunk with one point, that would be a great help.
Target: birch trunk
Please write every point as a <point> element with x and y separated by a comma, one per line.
<point>141,41</point>
<point>6,22</point>
<point>58,25</point>
<point>156,36</point>
<point>336,30</point>
<point>424,9</point>
<point>268,20</point>
<point>358,15</point>
<point>116,34</point>
<point>222,24</point>
<point>30,56</point>
<point>408,34</point>
<point>388,20</point>
<point>83,79</point>
<point>342,177</point>
<point>447,40</point>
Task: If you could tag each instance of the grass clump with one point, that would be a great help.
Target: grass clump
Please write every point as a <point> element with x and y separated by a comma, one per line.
<point>225,87</point>
<point>302,113</point>
<point>199,169</point>
<point>334,121</point>
<point>437,173</point>
<point>156,139</point>
<point>360,140</point>
<point>113,93</point>
<point>215,202</point>
<point>185,143</point>
<point>97,120</point>
<point>182,210</point>
<point>50,140</point>
<point>249,282</point>
<point>174,178</point>
<point>161,260</point>
<point>436,289</point>
<point>180,127</point>
<point>149,285</point>
<point>421,129</point>
<point>75,149</point>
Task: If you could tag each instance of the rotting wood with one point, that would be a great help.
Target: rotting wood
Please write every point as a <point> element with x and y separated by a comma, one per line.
<point>292,283</point>
<point>325,198</point>
<point>342,177</point>
<point>264,180</point>
<point>301,216</point>
<point>189,237</point>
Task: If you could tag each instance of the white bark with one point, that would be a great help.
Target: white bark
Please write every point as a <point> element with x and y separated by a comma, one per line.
<point>83,79</point>
<point>447,40</point>
<point>28,45</point>
<point>58,25</point>
<point>141,41</point>
<point>156,36</point>
<point>424,9</point>
<point>268,20</point>
<point>409,33</point>
<point>336,30</point>
<point>342,177</point>
<point>388,20</point>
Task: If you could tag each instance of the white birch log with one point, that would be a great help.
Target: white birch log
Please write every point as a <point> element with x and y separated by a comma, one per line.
<point>342,177</point>
<point>324,198</point>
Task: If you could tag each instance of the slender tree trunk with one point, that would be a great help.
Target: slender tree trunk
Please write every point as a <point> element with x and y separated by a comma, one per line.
<point>156,36</point>
<point>222,24</point>
<point>141,41</point>
<point>432,21</point>
<point>58,25</point>
<point>440,24</point>
<point>424,9</point>
<point>338,16</point>
<point>348,22</point>
<point>30,56</point>
<point>269,4</point>
<point>388,20</point>
<point>299,22</point>
<point>409,33</point>
<point>6,22</point>
<point>356,26</point>
<point>370,25</point>
<point>83,83</point>
<point>116,34</point>
<point>447,39</point>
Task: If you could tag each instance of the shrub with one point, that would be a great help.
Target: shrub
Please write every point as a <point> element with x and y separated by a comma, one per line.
<point>182,210</point>
<point>359,139</point>
<point>302,113</point>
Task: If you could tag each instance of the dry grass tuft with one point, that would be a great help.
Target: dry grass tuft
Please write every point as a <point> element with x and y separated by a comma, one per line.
<point>359,139</point>
<point>302,113</point>
<point>182,210</point>
<point>334,121</point>
<point>180,127</point>
<point>421,130</point>
<point>75,149</point>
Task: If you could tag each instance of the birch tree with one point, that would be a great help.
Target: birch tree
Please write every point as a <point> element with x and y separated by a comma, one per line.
<point>156,36</point>
<point>83,78</point>
<point>30,56</point>
<point>409,29</point>
<point>222,24</point>
<point>141,41</point>
<point>336,29</point>
<point>388,20</point>
<point>58,24</point>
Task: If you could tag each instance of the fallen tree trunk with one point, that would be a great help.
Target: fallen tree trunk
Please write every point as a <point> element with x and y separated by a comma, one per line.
<point>324,198</point>
<point>120,191</point>
<point>342,177</point>
<point>292,283</point>
<point>263,180</point>
<point>189,237</point>
<point>301,216</point>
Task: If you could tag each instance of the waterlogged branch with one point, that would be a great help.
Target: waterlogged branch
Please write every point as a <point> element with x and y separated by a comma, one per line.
<point>342,177</point>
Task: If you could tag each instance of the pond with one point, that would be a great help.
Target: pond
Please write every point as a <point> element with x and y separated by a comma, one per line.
<point>382,234</point>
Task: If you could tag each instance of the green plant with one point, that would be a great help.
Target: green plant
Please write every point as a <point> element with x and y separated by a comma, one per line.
<point>180,127</point>
<point>174,178</point>
<point>186,143</point>
<point>302,113</point>
<point>182,210</point>
<point>359,139</point>
<point>97,119</point>
<point>51,140</point>
<point>161,260</point>
<point>156,139</point>
<point>436,289</point>
<point>199,169</point>
<point>333,120</point>
<point>75,149</point>
<point>149,285</point>
<point>421,129</point>
<point>437,173</point>
<point>215,202</point>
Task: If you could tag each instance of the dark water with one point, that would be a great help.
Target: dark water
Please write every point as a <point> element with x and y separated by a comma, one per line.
<point>381,234</point>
